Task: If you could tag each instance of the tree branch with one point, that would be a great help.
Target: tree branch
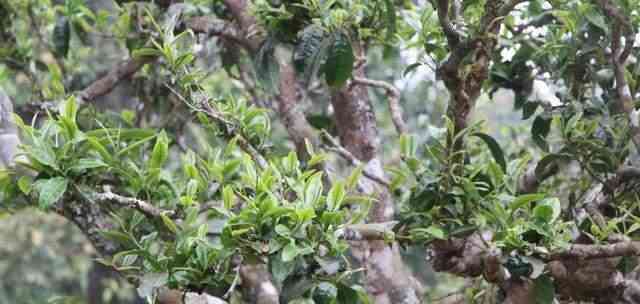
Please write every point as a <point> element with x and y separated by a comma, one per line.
<point>335,146</point>
<point>146,208</point>
<point>621,25</point>
<point>393,97</point>
<point>246,22</point>
<point>453,36</point>
<point>105,84</point>
<point>597,251</point>
<point>211,26</point>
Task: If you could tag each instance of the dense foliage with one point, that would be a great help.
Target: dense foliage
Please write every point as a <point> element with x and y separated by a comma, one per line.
<point>245,162</point>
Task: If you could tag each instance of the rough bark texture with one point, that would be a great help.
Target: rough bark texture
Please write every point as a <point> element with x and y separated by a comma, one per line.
<point>291,115</point>
<point>387,278</point>
<point>8,133</point>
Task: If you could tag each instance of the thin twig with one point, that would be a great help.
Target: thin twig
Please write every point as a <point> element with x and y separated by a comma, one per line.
<point>146,208</point>
<point>344,153</point>
<point>236,279</point>
<point>229,127</point>
<point>393,97</point>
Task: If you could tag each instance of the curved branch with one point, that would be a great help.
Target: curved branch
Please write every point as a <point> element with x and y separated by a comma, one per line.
<point>105,84</point>
<point>393,96</point>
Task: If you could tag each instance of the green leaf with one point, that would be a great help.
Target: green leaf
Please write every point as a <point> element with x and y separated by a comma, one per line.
<point>495,149</point>
<point>408,146</point>
<point>410,68</point>
<point>433,231</point>
<point>118,236</point>
<point>121,134</point>
<point>169,223</point>
<point>597,20</point>
<point>227,197</point>
<point>146,52</point>
<point>313,189</point>
<point>160,151</point>
<point>282,230</point>
<point>43,153</point>
<point>309,45</point>
<point>98,147</point>
<point>548,210</point>
<point>24,184</point>
<point>351,295</point>
<point>353,178</point>
<point>525,199</point>
<point>50,190</point>
<point>339,65</point>
<point>87,163</point>
<point>61,37</point>
<point>544,166</point>
<point>336,196</point>
<point>281,269</point>
<point>544,289</point>
<point>539,131</point>
<point>290,252</point>
<point>69,108</point>
<point>68,111</point>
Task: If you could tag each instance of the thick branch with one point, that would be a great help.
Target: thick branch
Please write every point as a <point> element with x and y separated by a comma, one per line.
<point>246,22</point>
<point>297,126</point>
<point>393,96</point>
<point>585,252</point>
<point>453,37</point>
<point>105,84</point>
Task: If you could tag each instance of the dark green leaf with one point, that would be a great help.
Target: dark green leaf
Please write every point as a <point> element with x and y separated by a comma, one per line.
<point>548,164</point>
<point>495,149</point>
<point>410,68</point>
<point>309,45</point>
<point>544,289</point>
<point>539,130</point>
<point>61,37</point>
<point>339,65</point>
<point>529,108</point>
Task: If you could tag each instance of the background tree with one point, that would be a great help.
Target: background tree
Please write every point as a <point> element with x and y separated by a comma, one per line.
<point>189,192</point>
